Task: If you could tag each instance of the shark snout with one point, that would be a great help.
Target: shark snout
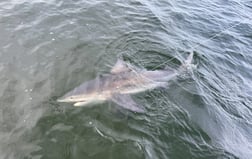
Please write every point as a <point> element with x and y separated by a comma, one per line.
<point>60,100</point>
<point>65,98</point>
<point>70,99</point>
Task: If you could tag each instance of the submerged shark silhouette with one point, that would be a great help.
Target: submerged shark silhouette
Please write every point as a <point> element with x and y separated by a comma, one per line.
<point>123,80</point>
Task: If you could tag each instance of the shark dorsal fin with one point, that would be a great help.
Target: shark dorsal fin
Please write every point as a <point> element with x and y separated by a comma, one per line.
<point>120,67</point>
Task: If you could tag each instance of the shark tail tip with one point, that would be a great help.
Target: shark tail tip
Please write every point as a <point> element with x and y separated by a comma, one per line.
<point>189,59</point>
<point>188,62</point>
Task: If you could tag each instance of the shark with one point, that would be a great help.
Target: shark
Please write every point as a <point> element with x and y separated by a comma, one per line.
<point>123,80</point>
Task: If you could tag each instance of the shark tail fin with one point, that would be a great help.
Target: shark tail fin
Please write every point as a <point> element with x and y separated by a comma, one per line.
<point>189,59</point>
<point>187,64</point>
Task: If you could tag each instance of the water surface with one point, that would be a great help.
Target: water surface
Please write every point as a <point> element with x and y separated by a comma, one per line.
<point>49,47</point>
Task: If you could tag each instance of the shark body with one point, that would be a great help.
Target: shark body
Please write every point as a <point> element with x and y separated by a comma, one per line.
<point>122,81</point>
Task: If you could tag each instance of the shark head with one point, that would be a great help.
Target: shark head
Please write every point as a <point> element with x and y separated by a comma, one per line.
<point>82,95</point>
<point>79,99</point>
<point>72,98</point>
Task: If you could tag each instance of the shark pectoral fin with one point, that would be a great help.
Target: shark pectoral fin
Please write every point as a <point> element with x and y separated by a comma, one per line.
<point>127,102</point>
<point>119,67</point>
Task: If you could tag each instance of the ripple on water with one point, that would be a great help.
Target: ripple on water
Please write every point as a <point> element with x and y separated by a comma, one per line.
<point>49,47</point>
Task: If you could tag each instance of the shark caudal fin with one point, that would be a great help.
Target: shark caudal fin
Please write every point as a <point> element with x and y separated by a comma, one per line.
<point>189,59</point>
<point>187,64</point>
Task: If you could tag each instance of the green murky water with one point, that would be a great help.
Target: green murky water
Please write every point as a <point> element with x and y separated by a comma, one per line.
<point>49,47</point>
